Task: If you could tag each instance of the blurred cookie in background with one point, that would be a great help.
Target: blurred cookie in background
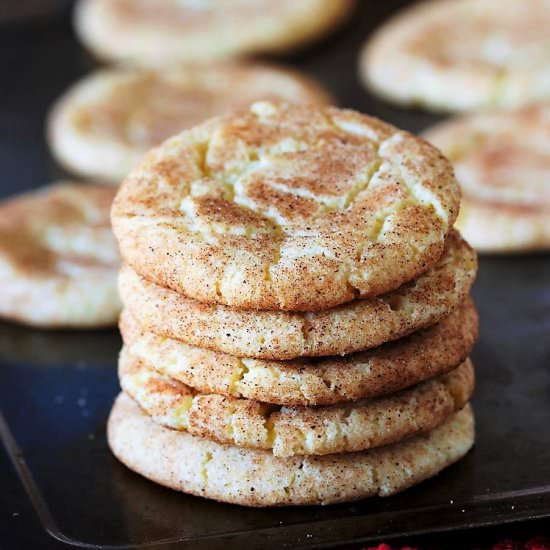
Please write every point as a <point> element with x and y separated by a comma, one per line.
<point>502,161</point>
<point>148,32</point>
<point>59,258</point>
<point>504,228</point>
<point>462,54</point>
<point>106,122</point>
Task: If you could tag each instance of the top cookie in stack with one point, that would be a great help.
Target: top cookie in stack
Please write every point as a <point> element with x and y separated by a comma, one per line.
<point>257,241</point>
<point>287,208</point>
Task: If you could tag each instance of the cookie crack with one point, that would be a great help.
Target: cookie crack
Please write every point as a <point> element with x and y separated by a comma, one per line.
<point>241,371</point>
<point>422,196</point>
<point>208,457</point>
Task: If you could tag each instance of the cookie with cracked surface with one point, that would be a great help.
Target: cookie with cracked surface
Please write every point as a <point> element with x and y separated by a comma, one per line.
<point>352,327</point>
<point>286,207</point>
<point>105,123</point>
<point>148,32</point>
<point>205,468</point>
<point>289,431</point>
<point>305,382</point>
<point>59,258</point>
<point>421,56</point>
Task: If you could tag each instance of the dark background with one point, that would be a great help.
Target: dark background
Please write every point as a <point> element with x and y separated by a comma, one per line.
<point>56,388</point>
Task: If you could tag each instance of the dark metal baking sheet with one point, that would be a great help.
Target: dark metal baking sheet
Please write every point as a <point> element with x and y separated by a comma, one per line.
<point>56,388</point>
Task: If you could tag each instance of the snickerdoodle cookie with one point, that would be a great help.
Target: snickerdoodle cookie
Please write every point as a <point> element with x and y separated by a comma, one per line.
<point>257,478</point>
<point>287,207</point>
<point>462,54</point>
<point>149,32</point>
<point>59,258</point>
<point>104,124</point>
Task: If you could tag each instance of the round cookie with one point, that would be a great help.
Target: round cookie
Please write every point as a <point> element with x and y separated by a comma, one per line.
<point>105,123</point>
<point>286,207</point>
<point>356,326</point>
<point>256,478</point>
<point>305,382</point>
<point>502,162</point>
<point>461,54</point>
<point>502,228</point>
<point>290,431</point>
<point>500,156</point>
<point>59,258</point>
<point>151,33</point>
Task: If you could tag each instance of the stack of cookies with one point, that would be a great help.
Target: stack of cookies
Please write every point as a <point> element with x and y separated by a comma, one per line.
<point>297,323</point>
